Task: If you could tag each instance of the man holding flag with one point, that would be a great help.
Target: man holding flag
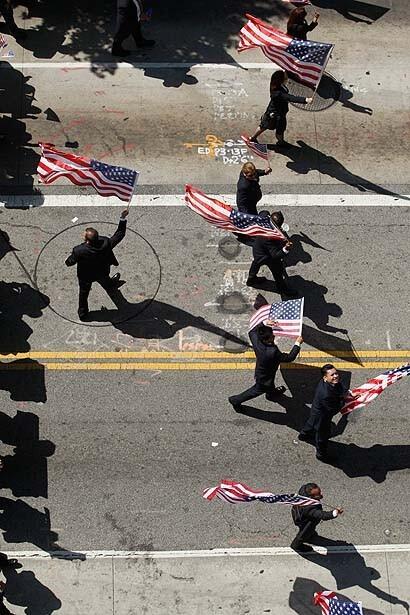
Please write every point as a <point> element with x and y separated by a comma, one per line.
<point>94,258</point>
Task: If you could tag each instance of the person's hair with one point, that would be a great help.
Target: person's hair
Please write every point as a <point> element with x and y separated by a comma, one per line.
<point>326,368</point>
<point>277,217</point>
<point>91,234</point>
<point>248,167</point>
<point>265,334</point>
<point>296,16</point>
<point>310,486</point>
<point>277,79</point>
<point>260,301</point>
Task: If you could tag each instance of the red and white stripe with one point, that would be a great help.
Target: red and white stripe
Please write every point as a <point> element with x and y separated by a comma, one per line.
<point>55,165</point>
<point>218,214</point>
<point>322,600</point>
<point>273,42</point>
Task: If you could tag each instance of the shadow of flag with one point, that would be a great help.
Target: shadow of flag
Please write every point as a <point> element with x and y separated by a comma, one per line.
<point>331,345</point>
<point>5,245</point>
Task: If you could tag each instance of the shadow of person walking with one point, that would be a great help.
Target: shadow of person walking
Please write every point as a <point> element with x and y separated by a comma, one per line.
<point>303,590</point>
<point>306,158</point>
<point>25,590</point>
<point>351,9</point>
<point>349,569</point>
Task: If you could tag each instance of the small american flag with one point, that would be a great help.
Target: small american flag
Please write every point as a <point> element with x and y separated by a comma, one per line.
<point>307,59</point>
<point>224,216</point>
<point>260,149</point>
<point>107,180</point>
<point>3,42</point>
<point>331,605</point>
<point>234,492</point>
<point>297,2</point>
<point>288,315</point>
<point>373,387</point>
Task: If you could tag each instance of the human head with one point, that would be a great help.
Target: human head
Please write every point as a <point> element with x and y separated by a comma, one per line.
<point>330,373</point>
<point>278,78</point>
<point>297,16</point>
<point>249,170</point>
<point>91,235</point>
<point>277,218</point>
<point>313,490</point>
<point>266,336</point>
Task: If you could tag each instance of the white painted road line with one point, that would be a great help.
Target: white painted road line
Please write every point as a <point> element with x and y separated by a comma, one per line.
<point>177,200</point>
<point>67,66</point>
<point>239,552</point>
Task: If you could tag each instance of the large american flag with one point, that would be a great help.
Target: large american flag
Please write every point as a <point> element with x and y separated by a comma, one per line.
<point>373,387</point>
<point>331,605</point>
<point>107,180</point>
<point>288,315</point>
<point>307,59</point>
<point>224,216</point>
<point>234,492</point>
<point>260,149</point>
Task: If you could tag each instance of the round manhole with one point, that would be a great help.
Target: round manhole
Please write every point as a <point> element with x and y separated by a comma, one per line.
<point>139,265</point>
<point>233,303</point>
<point>326,95</point>
<point>229,247</point>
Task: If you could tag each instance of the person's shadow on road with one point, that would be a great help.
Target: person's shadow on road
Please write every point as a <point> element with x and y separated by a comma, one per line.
<point>351,9</point>
<point>306,158</point>
<point>25,590</point>
<point>349,568</point>
<point>301,597</point>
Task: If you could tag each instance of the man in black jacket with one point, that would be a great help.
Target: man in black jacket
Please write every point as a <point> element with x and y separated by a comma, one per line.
<point>129,15</point>
<point>327,402</point>
<point>94,258</point>
<point>307,518</point>
<point>270,252</point>
<point>248,190</point>
<point>268,359</point>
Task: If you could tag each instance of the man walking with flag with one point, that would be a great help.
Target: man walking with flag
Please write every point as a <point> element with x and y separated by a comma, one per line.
<point>248,190</point>
<point>94,258</point>
<point>268,359</point>
<point>307,518</point>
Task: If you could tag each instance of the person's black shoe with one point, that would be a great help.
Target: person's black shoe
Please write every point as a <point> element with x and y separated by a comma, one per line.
<point>253,140</point>
<point>83,316</point>
<point>120,52</point>
<point>256,281</point>
<point>275,393</point>
<point>302,549</point>
<point>237,407</point>
<point>145,42</point>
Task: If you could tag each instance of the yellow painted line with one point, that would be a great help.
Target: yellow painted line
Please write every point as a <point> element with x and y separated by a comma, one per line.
<point>195,355</point>
<point>186,366</point>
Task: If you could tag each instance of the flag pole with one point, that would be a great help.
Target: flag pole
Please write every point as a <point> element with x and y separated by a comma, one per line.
<point>132,193</point>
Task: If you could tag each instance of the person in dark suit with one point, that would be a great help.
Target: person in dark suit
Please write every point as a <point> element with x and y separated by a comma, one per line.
<point>297,26</point>
<point>327,402</point>
<point>94,258</point>
<point>248,190</point>
<point>274,117</point>
<point>270,252</point>
<point>307,518</point>
<point>129,15</point>
<point>7,11</point>
<point>268,359</point>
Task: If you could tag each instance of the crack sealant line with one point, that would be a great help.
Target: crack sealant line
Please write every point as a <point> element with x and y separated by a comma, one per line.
<point>177,200</point>
<point>197,553</point>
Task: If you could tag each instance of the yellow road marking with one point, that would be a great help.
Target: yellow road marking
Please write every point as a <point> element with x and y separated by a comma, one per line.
<point>223,365</point>
<point>51,354</point>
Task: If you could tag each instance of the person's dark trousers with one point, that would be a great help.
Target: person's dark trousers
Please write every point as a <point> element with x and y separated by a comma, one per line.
<point>7,12</point>
<point>107,284</point>
<point>319,427</point>
<point>128,25</point>
<point>251,393</point>
<point>277,271</point>
<point>304,535</point>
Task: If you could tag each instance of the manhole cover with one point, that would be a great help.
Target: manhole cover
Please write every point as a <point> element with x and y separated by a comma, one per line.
<point>327,93</point>
<point>229,247</point>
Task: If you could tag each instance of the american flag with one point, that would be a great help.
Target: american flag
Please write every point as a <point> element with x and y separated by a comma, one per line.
<point>373,387</point>
<point>288,315</point>
<point>298,2</point>
<point>3,42</point>
<point>224,216</point>
<point>108,180</point>
<point>307,59</point>
<point>331,605</point>
<point>234,492</point>
<point>260,149</point>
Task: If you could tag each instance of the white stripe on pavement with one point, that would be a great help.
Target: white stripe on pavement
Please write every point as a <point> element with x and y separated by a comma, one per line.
<point>177,200</point>
<point>140,65</point>
<point>239,552</point>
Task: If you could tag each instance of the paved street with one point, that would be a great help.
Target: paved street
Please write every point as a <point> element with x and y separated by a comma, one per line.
<point>111,429</point>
